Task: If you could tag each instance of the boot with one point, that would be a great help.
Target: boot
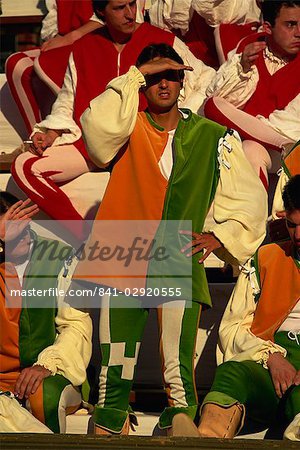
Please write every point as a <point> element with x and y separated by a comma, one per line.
<point>182,425</point>
<point>103,432</point>
<point>219,421</point>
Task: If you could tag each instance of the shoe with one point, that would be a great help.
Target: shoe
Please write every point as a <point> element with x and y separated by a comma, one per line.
<point>183,425</point>
<point>220,421</point>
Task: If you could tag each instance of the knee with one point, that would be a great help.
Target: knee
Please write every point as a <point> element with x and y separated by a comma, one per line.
<point>28,164</point>
<point>12,63</point>
<point>12,60</point>
<point>229,373</point>
<point>19,164</point>
<point>258,156</point>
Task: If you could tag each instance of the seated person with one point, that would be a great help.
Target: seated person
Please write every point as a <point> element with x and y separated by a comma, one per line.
<point>64,23</point>
<point>45,344</point>
<point>259,339</point>
<point>161,158</point>
<point>259,83</point>
<point>210,28</point>
<point>59,151</point>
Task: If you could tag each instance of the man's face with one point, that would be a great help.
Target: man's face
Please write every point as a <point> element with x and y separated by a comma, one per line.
<point>293,226</point>
<point>162,90</point>
<point>19,247</point>
<point>284,37</point>
<point>119,15</point>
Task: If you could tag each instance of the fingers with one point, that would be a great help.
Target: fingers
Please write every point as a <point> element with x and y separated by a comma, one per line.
<point>277,388</point>
<point>38,144</point>
<point>296,380</point>
<point>283,381</point>
<point>254,48</point>
<point>205,255</point>
<point>35,150</point>
<point>16,219</point>
<point>251,53</point>
<point>22,211</point>
<point>161,65</point>
<point>168,63</point>
<point>29,381</point>
<point>281,387</point>
<point>22,384</point>
<point>201,241</point>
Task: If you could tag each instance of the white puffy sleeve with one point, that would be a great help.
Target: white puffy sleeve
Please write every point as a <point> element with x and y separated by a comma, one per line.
<point>195,83</point>
<point>240,204</point>
<point>236,341</point>
<point>71,352</point>
<point>231,83</point>
<point>110,118</point>
<point>277,199</point>
<point>216,12</point>
<point>49,24</point>
<point>171,14</point>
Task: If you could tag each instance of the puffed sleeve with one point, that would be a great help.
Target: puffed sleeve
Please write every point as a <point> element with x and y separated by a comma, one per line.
<point>49,25</point>
<point>171,14</point>
<point>231,83</point>
<point>110,118</point>
<point>236,341</point>
<point>216,12</point>
<point>71,352</point>
<point>277,199</point>
<point>195,83</point>
<point>240,204</point>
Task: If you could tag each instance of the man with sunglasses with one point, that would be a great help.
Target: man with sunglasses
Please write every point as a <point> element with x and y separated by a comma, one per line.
<point>59,153</point>
<point>259,340</point>
<point>166,163</point>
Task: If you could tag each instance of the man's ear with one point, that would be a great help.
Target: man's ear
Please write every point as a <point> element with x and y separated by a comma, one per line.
<point>267,27</point>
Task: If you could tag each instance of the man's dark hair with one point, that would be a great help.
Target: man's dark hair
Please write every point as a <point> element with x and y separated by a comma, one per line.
<point>271,9</point>
<point>291,194</point>
<point>162,51</point>
<point>99,6</point>
<point>6,201</point>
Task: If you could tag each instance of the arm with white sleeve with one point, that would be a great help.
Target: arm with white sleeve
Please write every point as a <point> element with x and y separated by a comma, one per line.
<point>236,341</point>
<point>71,351</point>
<point>171,14</point>
<point>240,204</point>
<point>232,83</point>
<point>49,25</point>
<point>286,121</point>
<point>118,107</point>
<point>216,12</point>
<point>195,82</point>
<point>61,117</point>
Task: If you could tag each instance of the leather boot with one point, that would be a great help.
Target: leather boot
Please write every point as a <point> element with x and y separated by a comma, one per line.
<point>219,421</point>
<point>103,432</point>
<point>182,425</point>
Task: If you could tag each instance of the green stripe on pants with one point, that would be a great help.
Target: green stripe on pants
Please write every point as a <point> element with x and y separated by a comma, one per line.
<point>121,331</point>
